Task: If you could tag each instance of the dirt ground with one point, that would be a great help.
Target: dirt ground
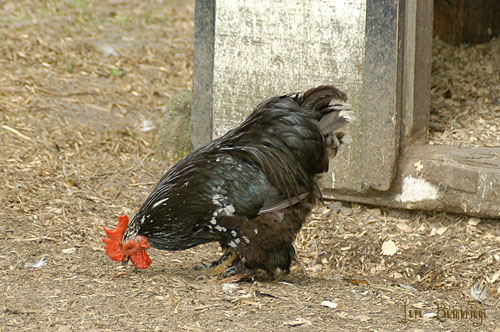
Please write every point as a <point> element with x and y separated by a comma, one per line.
<point>81,89</point>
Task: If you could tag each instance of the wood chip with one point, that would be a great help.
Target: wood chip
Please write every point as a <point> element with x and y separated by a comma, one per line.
<point>298,322</point>
<point>329,304</point>
<point>16,132</point>
<point>362,318</point>
<point>404,227</point>
<point>465,94</point>
<point>494,277</point>
<point>474,221</point>
<point>441,230</point>
<point>389,248</point>
<point>69,250</point>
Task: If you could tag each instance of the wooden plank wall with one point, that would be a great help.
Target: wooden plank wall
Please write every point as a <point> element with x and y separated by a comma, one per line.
<point>466,21</point>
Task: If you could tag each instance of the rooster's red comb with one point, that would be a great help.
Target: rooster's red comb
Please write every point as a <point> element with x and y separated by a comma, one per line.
<point>114,243</point>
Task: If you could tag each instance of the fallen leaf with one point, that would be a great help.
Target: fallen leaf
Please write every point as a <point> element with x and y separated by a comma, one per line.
<point>69,250</point>
<point>389,248</point>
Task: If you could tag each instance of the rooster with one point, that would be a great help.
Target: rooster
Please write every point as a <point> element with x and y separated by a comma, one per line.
<point>250,190</point>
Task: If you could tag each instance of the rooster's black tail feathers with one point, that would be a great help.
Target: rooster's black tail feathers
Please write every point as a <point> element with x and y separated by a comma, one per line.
<point>330,103</point>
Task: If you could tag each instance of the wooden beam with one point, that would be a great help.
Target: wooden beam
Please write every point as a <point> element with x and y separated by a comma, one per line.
<point>466,21</point>
<point>201,111</point>
<point>379,117</point>
<point>442,178</point>
<point>416,71</point>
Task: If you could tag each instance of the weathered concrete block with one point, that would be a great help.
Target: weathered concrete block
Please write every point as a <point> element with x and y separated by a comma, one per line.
<point>174,136</point>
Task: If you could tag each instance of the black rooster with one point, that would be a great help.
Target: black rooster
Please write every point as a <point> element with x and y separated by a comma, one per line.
<point>250,190</point>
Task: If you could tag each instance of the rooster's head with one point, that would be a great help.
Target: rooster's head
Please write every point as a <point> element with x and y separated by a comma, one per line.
<point>134,249</point>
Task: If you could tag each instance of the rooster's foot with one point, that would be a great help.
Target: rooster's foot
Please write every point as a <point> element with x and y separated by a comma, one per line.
<point>218,267</point>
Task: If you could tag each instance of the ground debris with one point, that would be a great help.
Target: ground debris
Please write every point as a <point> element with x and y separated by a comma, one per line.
<point>329,304</point>
<point>36,265</point>
<point>479,291</point>
<point>87,160</point>
<point>298,322</point>
<point>389,248</point>
<point>465,94</point>
<point>229,288</point>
